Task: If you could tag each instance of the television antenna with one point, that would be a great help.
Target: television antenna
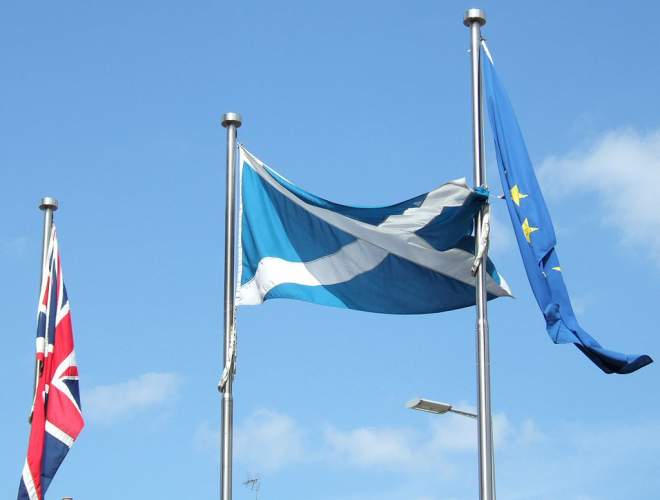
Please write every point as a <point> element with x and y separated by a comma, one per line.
<point>253,482</point>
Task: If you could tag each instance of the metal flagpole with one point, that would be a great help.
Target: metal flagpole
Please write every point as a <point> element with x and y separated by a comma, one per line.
<point>475,19</point>
<point>231,121</point>
<point>48,205</point>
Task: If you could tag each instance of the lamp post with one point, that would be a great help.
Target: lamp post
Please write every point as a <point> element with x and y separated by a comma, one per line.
<point>439,408</point>
<point>436,407</point>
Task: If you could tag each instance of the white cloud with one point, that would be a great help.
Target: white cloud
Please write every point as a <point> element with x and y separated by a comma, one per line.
<point>368,447</point>
<point>623,169</point>
<point>207,439</point>
<point>107,403</point>
<point>404,449</point>
<point>502,238</point>
<point>270,440</point>
<point>440,459</point>
<point>530,434</point>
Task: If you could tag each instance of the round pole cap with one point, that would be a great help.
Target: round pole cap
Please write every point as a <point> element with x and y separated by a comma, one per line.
<point>48,203</point>
<point>473,15</point>
<point>232,118</point>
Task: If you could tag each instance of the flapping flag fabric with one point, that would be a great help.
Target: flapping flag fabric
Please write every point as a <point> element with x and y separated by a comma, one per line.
<point>410,258</point>
<point>56,416</point>
<point>535,234</point>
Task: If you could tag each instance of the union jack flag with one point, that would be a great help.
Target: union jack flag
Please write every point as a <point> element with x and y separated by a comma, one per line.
<point>56,417</point>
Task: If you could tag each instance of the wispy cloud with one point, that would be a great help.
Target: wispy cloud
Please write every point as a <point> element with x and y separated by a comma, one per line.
<point>502,239</point>
<point>106,404</point>
<point>440,458</point>
<point>623,169</point>
<point>368,447</point>
<point>207,439</point>
<point>405,449</point>
<point>271,440</point>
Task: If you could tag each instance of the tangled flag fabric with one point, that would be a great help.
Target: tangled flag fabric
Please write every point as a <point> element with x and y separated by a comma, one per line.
<point>56,416</point>
<point>535,233</point>
<point>414,257</point>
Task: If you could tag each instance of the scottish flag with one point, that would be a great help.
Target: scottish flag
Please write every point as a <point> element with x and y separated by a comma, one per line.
<point>411,258</point>
<point>536,236</point>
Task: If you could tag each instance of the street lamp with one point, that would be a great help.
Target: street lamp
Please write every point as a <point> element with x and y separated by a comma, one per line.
<point>435,407</point>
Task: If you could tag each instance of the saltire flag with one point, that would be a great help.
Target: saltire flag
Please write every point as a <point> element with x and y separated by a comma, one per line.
<point>535,233</point>
<point>56,417</point>
<point>414,257</point>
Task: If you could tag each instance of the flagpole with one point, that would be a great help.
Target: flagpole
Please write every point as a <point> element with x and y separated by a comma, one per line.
<point>48,205</point>
<point>475,19</point>
<point>231,121</point>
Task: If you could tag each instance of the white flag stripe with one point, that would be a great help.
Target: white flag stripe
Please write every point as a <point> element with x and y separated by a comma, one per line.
<point>59,434</point>
<point>41,344</point>
<point>352,260</point>
<point>29,482</point>
<point>451,194</point>
<point>58,378</point>
<point>61,312</point>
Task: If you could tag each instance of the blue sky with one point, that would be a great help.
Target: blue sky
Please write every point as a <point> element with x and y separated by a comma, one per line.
<point>115,110</point>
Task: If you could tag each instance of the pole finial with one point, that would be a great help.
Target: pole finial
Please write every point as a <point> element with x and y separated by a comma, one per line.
<point>229,118</point>
<point>47,203</point>
<point>473,15</point>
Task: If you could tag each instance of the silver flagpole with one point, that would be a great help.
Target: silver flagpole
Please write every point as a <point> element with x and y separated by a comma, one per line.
<point>475,19</point>
<point>231,121</point>
<point>48,205</point>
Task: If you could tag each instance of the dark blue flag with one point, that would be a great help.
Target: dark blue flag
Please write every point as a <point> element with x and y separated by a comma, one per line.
<point>536,236</point>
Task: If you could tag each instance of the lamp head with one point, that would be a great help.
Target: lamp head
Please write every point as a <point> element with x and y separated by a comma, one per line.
<point>428,405</point>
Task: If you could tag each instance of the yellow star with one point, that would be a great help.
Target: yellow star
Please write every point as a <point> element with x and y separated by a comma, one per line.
<point>527,229</point>
<point>556,268</point>
<point>516,195</point>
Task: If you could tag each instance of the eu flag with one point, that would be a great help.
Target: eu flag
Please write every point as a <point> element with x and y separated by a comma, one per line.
<point>536,236</point>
